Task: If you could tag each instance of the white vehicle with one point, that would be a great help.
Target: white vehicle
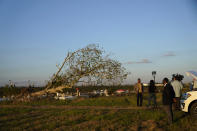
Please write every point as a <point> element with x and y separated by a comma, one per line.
<point>189,99</point>
<point>60,96</point>
<point>189,103</point>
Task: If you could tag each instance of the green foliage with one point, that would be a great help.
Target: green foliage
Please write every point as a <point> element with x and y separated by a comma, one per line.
<point>9,91</point>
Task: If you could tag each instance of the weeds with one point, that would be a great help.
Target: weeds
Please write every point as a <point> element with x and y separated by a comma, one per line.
<point>19,118</point>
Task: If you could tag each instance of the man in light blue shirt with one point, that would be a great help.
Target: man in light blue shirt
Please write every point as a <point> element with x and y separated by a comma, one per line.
<point>177,86</point>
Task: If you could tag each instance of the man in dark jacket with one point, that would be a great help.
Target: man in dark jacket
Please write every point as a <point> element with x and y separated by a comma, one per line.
<point>152,95</point>
<point>168,96</point>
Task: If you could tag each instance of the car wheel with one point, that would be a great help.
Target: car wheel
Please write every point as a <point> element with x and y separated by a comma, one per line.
<point>193,110</point>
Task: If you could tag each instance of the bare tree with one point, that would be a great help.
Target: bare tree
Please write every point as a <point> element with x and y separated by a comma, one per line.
<point>85,64</point>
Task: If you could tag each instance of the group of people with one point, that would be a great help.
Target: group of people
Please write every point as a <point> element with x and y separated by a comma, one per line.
<point>171,95</point>
<point>139,89</point>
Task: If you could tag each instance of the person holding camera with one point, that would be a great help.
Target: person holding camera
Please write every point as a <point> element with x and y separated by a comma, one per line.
<point>177,86</point>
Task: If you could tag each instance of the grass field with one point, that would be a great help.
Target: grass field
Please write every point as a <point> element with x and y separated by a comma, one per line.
<point>24,116</point>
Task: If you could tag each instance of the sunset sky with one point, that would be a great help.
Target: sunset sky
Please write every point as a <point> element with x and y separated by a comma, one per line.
<point>144,35</point>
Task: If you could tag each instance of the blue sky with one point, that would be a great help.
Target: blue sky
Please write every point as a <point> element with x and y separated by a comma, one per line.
<point>35,35</point>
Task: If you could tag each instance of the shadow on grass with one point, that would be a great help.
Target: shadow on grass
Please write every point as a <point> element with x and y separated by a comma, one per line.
<point>180,116</point>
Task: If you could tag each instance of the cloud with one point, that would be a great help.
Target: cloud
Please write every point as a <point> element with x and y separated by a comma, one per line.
<point>143,61</point>
<point>169,54</point>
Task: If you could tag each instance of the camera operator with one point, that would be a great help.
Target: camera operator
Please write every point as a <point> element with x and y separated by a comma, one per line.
<point>177,86</point>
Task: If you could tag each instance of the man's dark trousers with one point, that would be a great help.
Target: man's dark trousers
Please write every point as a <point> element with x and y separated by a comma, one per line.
<point>152,96</point>
<point>177,103</point>
<point>139,99</point>
<point>168,110</point>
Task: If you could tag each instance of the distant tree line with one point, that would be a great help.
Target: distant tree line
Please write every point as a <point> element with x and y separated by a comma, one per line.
<point>9,91</point>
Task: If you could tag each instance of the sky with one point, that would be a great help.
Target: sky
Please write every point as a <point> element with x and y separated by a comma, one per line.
<point>144,35</point>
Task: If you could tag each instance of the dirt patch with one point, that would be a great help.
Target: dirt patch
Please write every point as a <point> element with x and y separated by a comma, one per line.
<point>149,125</point>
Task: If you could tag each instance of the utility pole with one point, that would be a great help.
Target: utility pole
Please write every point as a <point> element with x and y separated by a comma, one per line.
<point>154,74</point>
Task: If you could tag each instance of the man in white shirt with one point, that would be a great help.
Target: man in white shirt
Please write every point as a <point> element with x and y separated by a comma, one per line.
<point>177,86</point>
